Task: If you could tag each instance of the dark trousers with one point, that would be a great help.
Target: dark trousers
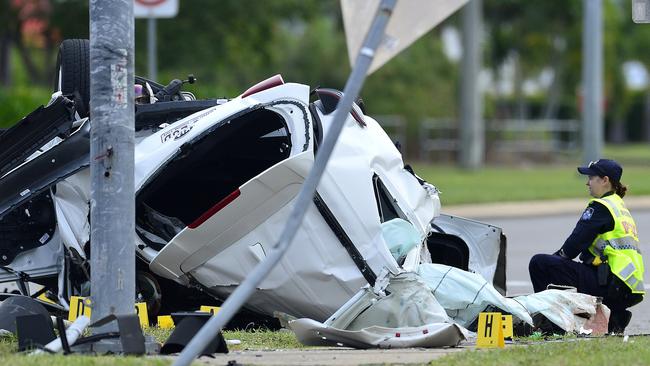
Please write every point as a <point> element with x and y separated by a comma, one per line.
<point>548,269</point>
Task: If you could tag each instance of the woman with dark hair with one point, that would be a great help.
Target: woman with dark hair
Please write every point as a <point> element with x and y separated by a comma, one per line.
<point>607,242</point>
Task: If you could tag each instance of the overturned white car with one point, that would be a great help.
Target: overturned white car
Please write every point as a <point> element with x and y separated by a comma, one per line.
<point>215,182</point>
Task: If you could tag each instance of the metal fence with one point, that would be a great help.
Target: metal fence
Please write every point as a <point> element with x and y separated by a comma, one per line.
<point>503,137</point>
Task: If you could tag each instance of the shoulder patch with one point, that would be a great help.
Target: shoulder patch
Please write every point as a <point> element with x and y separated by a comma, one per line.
<point>589,211</point>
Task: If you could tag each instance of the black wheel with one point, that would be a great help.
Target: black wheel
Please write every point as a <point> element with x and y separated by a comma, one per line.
<point>148,290</point>
<point>72,74</point>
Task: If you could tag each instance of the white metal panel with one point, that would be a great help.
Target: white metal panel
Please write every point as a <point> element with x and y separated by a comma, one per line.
<point>314,278</point>
<point>154,151</point>
<point>260,198</point>
<point>483,241</point>
<point>347,189</point>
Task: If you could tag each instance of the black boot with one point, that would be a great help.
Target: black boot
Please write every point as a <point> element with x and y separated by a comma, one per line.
<point>618,320</point>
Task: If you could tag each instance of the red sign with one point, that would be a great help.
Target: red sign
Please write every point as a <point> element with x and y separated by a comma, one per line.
<point>155,8</point>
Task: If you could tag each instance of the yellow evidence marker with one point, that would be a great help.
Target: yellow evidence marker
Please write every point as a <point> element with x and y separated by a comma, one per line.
<point>209,309</point>
<point>78,306</point>
<point>489,331</point>
<point>44,298</point>
<point>81,306</point>
<point>165,322</point>
<point>506,324</point>
<point>143,315</point>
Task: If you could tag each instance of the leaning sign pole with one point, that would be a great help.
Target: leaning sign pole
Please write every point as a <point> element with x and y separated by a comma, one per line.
<point>112,204</point>
<point>352,87</point>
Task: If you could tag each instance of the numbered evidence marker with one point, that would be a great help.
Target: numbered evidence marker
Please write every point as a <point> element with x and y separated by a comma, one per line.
<point>209,309</point>
<point>81,306</point>
<point>489,331</point>
<point>506,325</point>
<point>78,306</point>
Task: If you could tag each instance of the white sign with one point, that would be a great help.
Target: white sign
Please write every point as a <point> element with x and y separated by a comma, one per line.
<point>640,10</point>
<point>155,8</point>
<point>410,20</point>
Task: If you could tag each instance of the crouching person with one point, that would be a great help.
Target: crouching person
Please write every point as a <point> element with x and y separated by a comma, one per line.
<point>606,240</point>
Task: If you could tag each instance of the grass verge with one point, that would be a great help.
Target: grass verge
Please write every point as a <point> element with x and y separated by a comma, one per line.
<point>563,351</point>
<point>500,184</point>
<point>533,182</point>
<point>579,352</point>
<point>250,340</point>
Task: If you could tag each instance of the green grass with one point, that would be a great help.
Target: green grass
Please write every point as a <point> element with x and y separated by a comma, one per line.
<point>263,340</point>
<point>250,340</point>
<point>539,182</point>
<point>539,336</point>
<point>579,352</point>
<point>629,153</point>
<point>8,356</point>
<point>562,350</point>
<point>533,181</point>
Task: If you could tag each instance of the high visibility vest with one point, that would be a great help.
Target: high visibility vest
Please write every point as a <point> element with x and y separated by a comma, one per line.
<point>620,247</point>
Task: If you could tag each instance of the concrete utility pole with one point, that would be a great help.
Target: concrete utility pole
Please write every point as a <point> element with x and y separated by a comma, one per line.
<point>112,208</point>
<point>471,129</point>
<point>592,81</point>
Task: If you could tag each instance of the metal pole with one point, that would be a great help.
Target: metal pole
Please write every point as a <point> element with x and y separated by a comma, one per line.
<point>112,204</point>
<point>472,131</point>
<point>592,81</point>
<point>151,49</point>
<point>237,299</point>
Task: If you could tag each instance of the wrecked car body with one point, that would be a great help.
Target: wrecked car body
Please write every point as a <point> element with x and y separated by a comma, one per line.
<point>215,181</point>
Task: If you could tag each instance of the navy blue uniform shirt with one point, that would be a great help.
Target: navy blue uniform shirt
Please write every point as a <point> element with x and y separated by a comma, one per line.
<point>596,219</point>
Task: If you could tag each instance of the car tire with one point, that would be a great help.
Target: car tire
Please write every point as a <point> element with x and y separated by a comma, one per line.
<point>148,290</point>
<point>72,74</point>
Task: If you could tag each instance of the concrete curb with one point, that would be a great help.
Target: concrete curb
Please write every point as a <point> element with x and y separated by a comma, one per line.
<point>534,208</point>
<point>335,356</point>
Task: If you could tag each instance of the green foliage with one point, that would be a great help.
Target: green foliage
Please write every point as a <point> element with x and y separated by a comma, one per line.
<point>231,44</point>
<point>71,19</point>
<point>418,83</point>
<point>17,102</point>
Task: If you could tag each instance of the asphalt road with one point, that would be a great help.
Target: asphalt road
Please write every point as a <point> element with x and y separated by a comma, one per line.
<point>545,234</point>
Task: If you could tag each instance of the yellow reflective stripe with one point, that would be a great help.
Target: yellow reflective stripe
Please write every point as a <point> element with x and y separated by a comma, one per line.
<point>599,247</point>
<point>635,285</point>
<point>632,282</point>
<point>625,242</point>
<point>613,206</point>
<point>627,271</point>
<point>640,286</point>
